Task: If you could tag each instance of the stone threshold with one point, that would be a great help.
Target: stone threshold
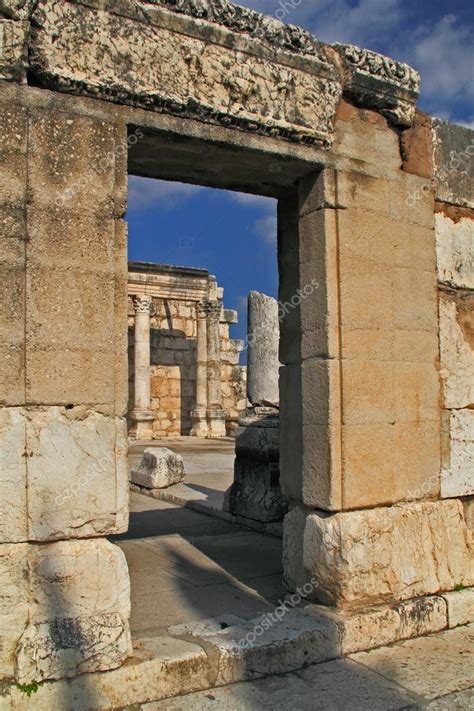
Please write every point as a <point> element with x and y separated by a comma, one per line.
<point>189,498</point>
<point>211,653</point>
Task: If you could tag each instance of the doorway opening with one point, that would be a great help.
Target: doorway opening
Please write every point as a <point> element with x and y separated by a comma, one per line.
<point>188,552</point>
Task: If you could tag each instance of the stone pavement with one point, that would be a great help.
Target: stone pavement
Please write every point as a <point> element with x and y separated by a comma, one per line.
<point>186,566</point>
<point>434,672</point>
<point>209,466</point>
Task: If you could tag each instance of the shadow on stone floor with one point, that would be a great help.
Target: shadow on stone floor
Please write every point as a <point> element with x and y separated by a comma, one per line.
<point>186,566</point>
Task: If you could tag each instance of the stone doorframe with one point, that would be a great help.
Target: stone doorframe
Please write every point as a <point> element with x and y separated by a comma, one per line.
<point>215,95</point>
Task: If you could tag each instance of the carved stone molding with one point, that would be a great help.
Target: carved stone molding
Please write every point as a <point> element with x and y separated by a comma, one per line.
<point>246,21</point>
<point>209,309</point>
<point>377,81</point>
<point>210,61</point>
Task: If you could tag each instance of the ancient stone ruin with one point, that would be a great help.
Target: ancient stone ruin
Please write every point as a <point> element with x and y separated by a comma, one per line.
<point>376,350</point>
<point>181,360</point>
<point>256,493</point>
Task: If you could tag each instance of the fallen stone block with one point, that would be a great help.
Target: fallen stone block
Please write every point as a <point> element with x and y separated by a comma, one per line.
<point>158,469</point>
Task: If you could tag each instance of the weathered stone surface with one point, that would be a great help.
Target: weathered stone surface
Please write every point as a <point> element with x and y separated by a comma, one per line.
<point>13,49</point>
<point>14,603</point>
<point>159,468</point>
<point>457,473</point>
<point>75,477</point>
<point>460,607</point>
<point>255,492</point>
<point>13,479</point>
<point>263,343</point>
<point>446,659</point>
<point>383,624</point>
<point>455,251</point>
<point>456,335</point>
<point>261,647</point>
<point>371,76</point>
<point>393,553</point>
<point>453,157</point>
<point>65,609</point>
<point>152,65</point>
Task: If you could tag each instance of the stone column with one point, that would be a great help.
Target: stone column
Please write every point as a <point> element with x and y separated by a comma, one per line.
<point>215,412</point>
<point>255,493</point>
<point>199,414</point>
<point>141,412</point>
<point>262,355</point>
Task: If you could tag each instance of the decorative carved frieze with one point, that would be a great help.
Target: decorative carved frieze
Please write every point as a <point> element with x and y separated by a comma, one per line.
<point>380,82</point>
<point>213,62</point>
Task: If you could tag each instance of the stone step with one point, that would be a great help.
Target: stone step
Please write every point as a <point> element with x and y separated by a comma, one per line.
<point>225,650</point>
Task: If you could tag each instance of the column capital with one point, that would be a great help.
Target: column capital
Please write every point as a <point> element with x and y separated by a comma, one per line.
<point>212,308</point>
<point>208,309</point>
<point>142,304</point>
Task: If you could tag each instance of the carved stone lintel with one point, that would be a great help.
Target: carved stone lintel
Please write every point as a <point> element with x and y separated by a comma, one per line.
<point>380,82</point>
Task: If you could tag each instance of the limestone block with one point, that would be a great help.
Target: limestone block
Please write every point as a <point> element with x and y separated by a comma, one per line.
<point>262,646</point>
<point>460,605</point>
<point>14,603</point>
<point>381,554</point>
<point>453,158</point>
<point>13,481</point>
<point>64,609</point>
<point>75,477</point>
<point>385,624</point>
<point>455,251</point>
<point>457,349</point>
<point>457,473</point>
<point>72,160</point>
<point>13,160</point>
<point>159,467</point>
<point>78,611</point>
<point>144,55</point>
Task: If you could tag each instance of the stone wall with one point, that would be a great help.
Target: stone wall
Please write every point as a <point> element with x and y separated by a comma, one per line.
<point>453,159</point>
<point>65,600</point>
<point>176,292</point>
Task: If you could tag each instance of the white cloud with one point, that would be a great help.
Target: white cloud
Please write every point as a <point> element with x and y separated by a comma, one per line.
<point>266,228</point>
<point>443,56</point>
<point>337,20</point>
<point>144,193</point>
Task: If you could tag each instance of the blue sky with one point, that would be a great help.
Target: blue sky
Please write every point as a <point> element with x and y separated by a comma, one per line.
<point>234,235</point>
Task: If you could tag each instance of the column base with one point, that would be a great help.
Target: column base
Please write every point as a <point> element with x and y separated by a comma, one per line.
<point>216,423</point>
<point>374,556</point>
<point>143,427</point>
<point>255,493</point>
<point>199,420</point>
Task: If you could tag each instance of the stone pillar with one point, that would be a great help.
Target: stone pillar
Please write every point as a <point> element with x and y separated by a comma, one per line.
<point>215,412</point>
<point>141,412</point>
<point>360,412</point>
<point>199,414</point>
<point>262,355</point>
<point>65,596</point>
<point>255,493</point>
